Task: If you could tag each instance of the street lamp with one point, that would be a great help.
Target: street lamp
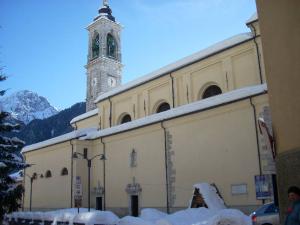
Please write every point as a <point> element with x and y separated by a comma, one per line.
<point>32,177</point>
<point>89,165</point>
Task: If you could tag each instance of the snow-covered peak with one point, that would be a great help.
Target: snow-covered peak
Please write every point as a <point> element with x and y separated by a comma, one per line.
<point>26,106</point>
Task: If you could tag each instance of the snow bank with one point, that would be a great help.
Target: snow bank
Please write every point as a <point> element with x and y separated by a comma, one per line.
<point>210,196</point>
<point>187,217</point>
<point>96,217</point>
<point>228,216</point>
<point>152,215</point>
<point>130,220</point>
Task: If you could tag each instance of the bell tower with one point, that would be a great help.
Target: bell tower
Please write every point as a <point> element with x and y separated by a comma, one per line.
<point>104,68</point>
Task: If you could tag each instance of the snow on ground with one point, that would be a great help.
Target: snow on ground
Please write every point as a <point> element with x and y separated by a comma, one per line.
<point>215,214</point>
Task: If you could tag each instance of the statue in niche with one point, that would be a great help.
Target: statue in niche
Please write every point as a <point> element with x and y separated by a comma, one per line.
<point>133,158</point>
<point>95,46</point>
<point>111,46</point>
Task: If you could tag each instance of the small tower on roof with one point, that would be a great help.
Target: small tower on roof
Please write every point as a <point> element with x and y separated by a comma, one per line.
<point>104,68</point>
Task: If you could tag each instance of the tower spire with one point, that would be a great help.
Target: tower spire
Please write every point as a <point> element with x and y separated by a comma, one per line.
<point>105,2</point>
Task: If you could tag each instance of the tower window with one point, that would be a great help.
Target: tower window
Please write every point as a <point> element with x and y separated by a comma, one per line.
<point>125,119</point>
<point>95,46</point>
<point>163,107</point>
<point>211,91</point>
<point>111,47</point>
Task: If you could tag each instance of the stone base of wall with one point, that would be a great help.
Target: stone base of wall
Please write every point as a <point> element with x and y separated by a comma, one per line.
<point>288,174</point>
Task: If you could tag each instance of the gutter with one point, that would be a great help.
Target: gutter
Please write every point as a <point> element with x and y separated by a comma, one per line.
<point>110,111</point>
<point>257,52</point>
<point>257,142</point>
<point>173,70</point>
<point>173,96</point>
<point>166,167</point>
<point>104,175</point>
<point>72,165</point>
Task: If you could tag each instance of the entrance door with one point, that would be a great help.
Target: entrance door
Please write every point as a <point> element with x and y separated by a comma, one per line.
<point>135,205</point>
<point>99,203</point>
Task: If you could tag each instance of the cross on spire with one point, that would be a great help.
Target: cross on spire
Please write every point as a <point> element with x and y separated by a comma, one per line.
<point>105,2</point>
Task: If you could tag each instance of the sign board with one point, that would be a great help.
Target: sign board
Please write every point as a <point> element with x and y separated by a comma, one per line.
<point>239,189</point>
<point>78,188</point>
<point>264,186</point>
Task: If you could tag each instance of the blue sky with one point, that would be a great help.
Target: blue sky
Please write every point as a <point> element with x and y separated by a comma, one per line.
<point>43,44</point>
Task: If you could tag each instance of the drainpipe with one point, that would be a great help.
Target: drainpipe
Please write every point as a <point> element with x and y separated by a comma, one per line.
<point>110,110</point>
<point>258,55</point>
<point>173,97</point>
<point>104,184</point>
<point>166,167</point>
<point>257,142</point>
<point>72,152</point>
<point>23,197</point>
<point>256,131</point>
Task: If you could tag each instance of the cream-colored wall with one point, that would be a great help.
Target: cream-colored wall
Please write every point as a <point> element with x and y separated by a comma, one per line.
<point>89,122</point>
<point>231,69</point>
<point>148,144</point>
<point>53,192</point>
<point>216,146</point>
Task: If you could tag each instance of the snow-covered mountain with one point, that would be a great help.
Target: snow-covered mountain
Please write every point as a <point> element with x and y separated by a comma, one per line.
<point>27,106</point>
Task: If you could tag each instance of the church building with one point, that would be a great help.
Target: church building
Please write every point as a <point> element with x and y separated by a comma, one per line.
<point>144,144</point>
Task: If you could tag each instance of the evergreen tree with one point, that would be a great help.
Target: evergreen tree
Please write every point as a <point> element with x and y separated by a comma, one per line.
<point>10,161</point>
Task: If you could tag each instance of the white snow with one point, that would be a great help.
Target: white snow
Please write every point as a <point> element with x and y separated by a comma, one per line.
<point>215,214</point>
<point>130,220</point>
<point>72,135</point>
<point>198,216</point>
<point>152,214</point>
<point>201,105</point>
<point>230,42</point>
<point>97,217</point>
<point>84,115</point>
<point>27,106</point>
<point>210,196</point>
<point>253,18</point>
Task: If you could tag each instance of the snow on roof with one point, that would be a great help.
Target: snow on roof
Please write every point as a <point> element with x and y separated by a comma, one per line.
<point>85,115</point>
<point>218,47</point>
<point>201,105</point>
<point>72,135</point>
<point>210,196</point>
<point>253,18</point>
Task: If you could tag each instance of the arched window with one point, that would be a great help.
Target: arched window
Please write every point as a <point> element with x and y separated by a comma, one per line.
<point>125,119</point>
<point>211,91</point>
<point>48,174</point>
<point>163,107</point>
<point>64,171</point>
<point>95,45</point>
<point>111,47</point>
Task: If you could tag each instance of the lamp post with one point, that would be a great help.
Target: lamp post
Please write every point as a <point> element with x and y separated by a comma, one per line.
<point>32,177</point>
<point>89,165</point>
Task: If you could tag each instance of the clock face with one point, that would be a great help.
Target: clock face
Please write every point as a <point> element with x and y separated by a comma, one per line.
<point>111,81</point>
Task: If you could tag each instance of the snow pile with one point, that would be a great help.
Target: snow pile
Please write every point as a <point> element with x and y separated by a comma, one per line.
<point>210,196</point>
<point>130,220</point>
<point>96,217</point>
<point>215,214</point>
<point>187,217</point>
<point>152,215</point>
